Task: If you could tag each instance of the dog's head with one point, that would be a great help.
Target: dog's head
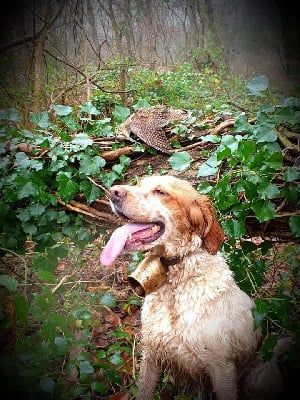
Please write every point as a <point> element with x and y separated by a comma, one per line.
<point>164,214</point>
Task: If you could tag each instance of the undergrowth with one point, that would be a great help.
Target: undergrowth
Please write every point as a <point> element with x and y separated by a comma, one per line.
<point>48,330</point>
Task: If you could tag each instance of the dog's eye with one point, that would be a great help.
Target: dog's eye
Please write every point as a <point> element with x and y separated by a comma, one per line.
<point>159,192</point>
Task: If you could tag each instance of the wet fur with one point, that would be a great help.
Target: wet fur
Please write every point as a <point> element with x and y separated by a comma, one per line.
<point>199,324</point>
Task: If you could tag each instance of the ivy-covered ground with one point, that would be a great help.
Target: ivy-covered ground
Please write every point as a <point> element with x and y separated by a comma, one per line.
<point>69,327</point>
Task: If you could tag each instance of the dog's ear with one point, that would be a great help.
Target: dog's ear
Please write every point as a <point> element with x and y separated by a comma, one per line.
<point>203,220</point>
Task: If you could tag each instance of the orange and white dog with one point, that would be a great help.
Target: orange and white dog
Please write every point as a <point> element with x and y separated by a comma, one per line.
<point>199,323</point>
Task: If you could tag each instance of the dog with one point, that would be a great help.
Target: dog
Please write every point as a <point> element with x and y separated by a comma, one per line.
<point>198,323</point>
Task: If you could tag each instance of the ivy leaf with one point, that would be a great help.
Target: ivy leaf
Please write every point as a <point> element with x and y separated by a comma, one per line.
<point>91,165</point>
<point>241,124</point>
<point>47,385</point>
<point>257,85</point>
<point>11,114</point>
<point>85,367</point>
<point>223,152</point>
<point>26,189</point>
<point>209,167</point>
<point>264,210</point>
<point>89,108</point>
<point>206,170</point>
<point>250,189</point>
<point>260,311</point>
<point>121,113</point>
<point>124,160</point>
<point>108,178</point>
<point>36,209</point>
<point>274,161</point>
<point>29,228</point>
<point>294,223</point>
<point>116,358</point>
<point>141,104</point>
<point>24,162</point>
<point>291,174</point>
<point>268,346</point>
<point>248,247</point>
<point>58,250</point>
<point>180,161</point>
<point>61,110</point>
<point>80,142</point>
<point>24,214</point>
<point>235,228</point>
<point>70,122</point>
<point>9,282</point>
<point>108,300</point>
<point>246,148</point>
<point>211,139</point>
<point>268,190</point>
<point>231,142</point>
<point>67,188</point>
<point>204,188</point>
<point>41,119</point>
<point>91,192</point>
<point>265,133</point>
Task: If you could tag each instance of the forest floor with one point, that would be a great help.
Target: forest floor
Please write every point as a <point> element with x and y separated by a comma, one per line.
<point>96,278</point>
<point>83,278</point>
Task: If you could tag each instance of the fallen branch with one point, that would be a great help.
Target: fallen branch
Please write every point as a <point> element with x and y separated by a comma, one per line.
<point>87,210</point>
<point>203,145</point>
<point>115,154</point>
<point>221,126</point>
<point>286,142</point>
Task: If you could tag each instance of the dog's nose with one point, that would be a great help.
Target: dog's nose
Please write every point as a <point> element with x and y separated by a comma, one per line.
<point>117,192</point>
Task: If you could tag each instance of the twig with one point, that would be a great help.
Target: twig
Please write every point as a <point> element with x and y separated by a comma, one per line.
<point>64,278</point>
<point>86,210</point>
<point>114,154</point>
<point>191,146</point>
<point>286,142</point>
<point>100,186</point>
<point>222,125</point>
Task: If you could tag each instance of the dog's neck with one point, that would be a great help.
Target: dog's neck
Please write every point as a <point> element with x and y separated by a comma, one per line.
<point>168,262</point>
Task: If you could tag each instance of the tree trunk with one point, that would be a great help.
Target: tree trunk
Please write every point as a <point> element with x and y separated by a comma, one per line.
<point>39,64</point>
<point>118,39</point>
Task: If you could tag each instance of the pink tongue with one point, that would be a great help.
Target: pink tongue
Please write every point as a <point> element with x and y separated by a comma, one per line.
<point>117,242</point>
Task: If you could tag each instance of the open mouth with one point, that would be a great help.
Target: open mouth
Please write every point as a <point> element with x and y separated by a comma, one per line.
<point>144,233</point>
<point>140,232</point>
<point>132,235</point>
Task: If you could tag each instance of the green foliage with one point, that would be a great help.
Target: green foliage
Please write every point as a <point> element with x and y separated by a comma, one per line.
<point>257,85</point>
<point>252,182</point>
<point>55,168</point>
<point>254,166</point>
<point>180,161</point>
<point>32,186</point>
<point>61,164</point>
<point>205,90</point>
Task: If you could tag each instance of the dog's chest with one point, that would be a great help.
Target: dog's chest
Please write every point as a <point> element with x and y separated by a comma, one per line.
<point>172,316</point>
<point>171,327</point>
